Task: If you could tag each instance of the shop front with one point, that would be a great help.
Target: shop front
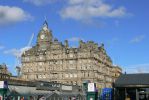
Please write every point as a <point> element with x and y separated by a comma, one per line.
<point>132,87</point>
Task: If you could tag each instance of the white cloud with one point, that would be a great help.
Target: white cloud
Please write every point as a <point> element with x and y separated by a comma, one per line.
<point>87,9</point>
<point>40,2</point>
<point>137,39</point>
<point>75,39</point>
<point>1,47</point>
<point>112,42</point>
<point>12,15</point>
<point>17,52</point>
<point>138,68</point>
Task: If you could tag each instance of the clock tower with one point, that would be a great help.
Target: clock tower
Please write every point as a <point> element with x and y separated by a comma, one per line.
<point>44,36</point>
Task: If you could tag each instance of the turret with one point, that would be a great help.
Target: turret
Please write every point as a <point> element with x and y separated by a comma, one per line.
<point>66,44</point>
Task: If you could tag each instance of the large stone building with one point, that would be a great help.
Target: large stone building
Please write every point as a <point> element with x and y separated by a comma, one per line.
<point>50,60</point>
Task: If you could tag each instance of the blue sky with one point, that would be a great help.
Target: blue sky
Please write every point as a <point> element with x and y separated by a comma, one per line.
<point>122,25</point>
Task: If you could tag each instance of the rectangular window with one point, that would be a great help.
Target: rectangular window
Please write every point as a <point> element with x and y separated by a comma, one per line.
<point>66,75</point>
<point>71,55</point>
<point>71,62</point>
<point>71,75</point>
<point>75,75</point>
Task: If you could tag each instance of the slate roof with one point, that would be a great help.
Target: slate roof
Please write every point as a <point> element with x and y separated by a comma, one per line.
<point>132,80</point>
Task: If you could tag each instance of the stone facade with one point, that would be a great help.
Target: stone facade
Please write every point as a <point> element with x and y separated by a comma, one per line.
<point>50,60</point>
<point>4,73</point>
<point>4,69</point>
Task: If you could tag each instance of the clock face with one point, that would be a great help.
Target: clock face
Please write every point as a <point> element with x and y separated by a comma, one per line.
<point>42,36</point>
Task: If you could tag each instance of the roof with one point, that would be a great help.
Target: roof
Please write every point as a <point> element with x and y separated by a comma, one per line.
<point>132,80</point>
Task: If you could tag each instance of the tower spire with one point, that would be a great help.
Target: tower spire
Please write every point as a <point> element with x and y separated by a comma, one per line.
<point>45,24</point>
<point>45,18</point>
<point>45,34</point>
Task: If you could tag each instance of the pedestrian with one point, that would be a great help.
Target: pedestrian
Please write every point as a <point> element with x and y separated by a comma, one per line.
<point>31,98</point>
<point>22,98</point>
<point>69,98</point>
